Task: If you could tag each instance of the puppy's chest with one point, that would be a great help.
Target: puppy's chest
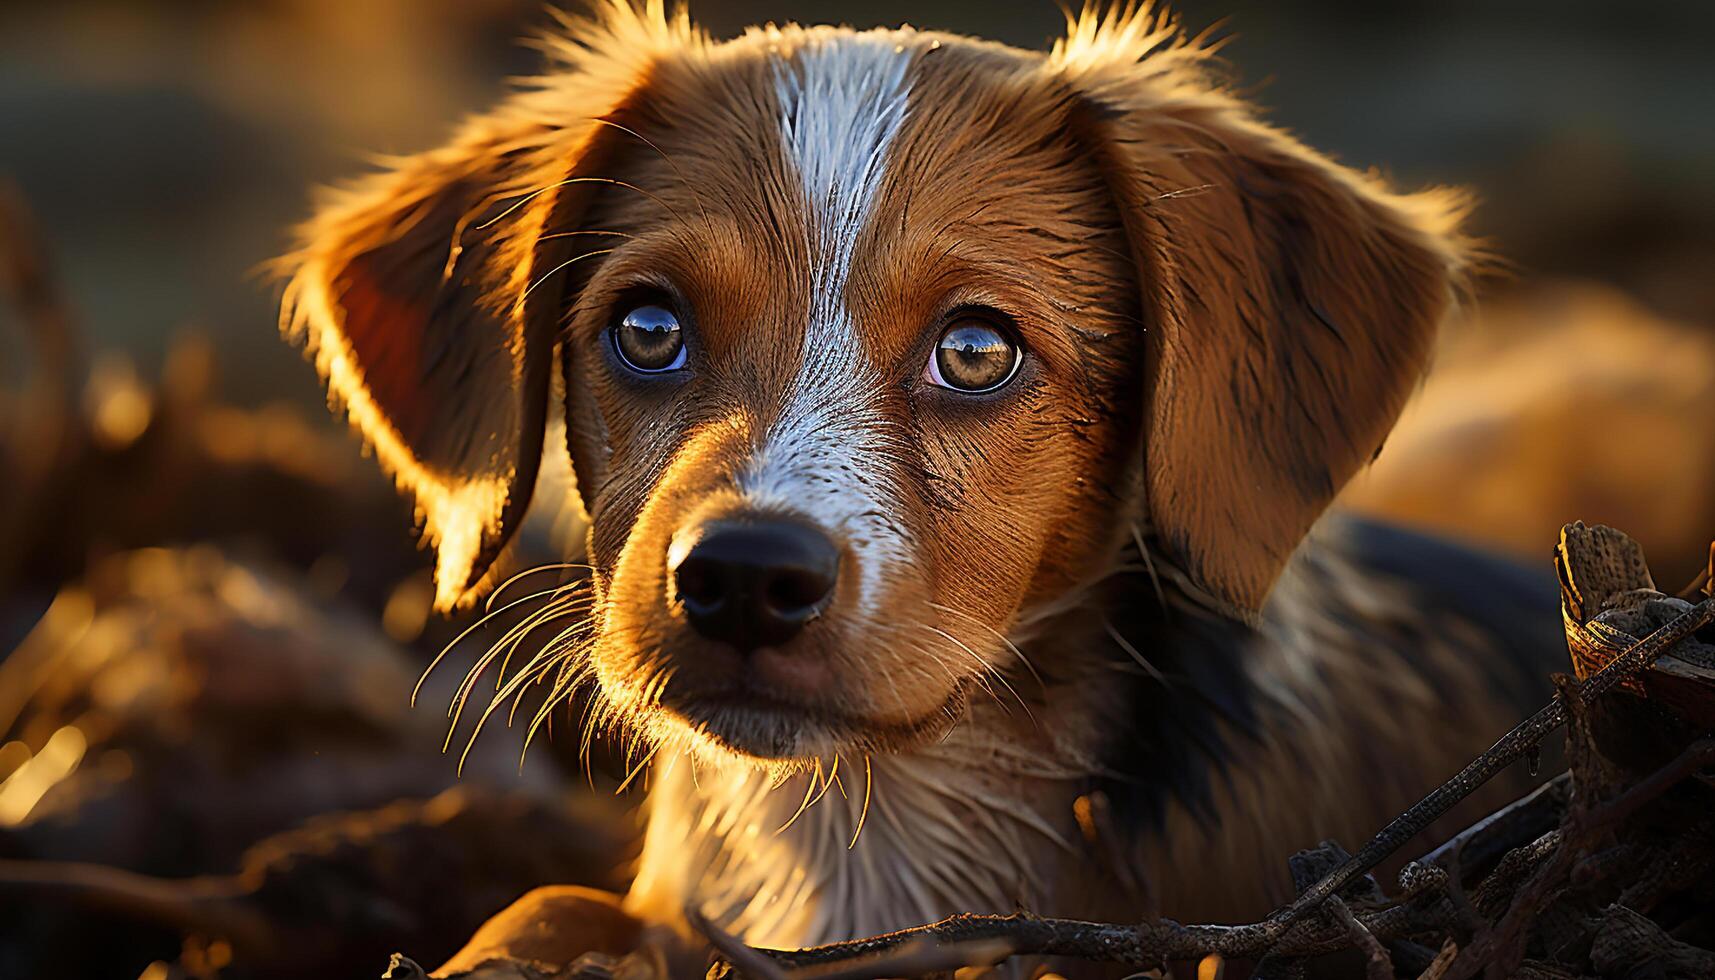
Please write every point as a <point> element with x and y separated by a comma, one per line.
<point>811,861</point>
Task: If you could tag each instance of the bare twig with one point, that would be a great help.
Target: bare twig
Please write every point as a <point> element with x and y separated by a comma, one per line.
<point>214,904</point>
<point>747,960</point>
<point>1443,961</point>
<point>1377,965</point>
<point>1144,946</point>
<point>1514,825</point>
<point>1511,747</point>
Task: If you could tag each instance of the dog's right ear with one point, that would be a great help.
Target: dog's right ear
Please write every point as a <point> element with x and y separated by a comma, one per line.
<point>409,288</point>
<point>1289,303</point>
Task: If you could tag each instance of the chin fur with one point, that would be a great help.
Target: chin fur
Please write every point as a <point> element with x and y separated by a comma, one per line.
<point>776,739</point>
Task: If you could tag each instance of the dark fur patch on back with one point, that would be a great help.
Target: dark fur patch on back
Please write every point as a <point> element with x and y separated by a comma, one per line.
<point>1182,735</point>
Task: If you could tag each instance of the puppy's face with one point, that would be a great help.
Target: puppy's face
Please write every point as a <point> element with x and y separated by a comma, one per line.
<point>831,390</point>
<point>872,344</point>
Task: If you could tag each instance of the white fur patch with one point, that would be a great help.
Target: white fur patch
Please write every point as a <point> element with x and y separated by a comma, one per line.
<point>813,860</point>
<point>842,99</point>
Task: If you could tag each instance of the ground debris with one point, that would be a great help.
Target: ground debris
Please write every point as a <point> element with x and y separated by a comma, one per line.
<point>250,793</point>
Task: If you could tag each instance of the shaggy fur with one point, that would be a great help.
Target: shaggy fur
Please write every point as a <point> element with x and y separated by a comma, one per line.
<point>1086,652</point>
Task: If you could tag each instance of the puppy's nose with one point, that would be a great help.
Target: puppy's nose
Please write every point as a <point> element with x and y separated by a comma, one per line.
<point>755,583</point>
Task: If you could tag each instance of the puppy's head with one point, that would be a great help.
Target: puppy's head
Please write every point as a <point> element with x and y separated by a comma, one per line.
<point>873,344</point>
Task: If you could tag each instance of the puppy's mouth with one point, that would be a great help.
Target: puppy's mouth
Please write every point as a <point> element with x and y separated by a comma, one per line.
<point>765,727</point>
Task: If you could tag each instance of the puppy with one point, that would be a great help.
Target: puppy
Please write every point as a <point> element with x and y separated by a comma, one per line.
<point>953,424</point>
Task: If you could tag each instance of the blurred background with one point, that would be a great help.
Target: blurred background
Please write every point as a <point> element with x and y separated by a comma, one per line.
<point>177,508</point>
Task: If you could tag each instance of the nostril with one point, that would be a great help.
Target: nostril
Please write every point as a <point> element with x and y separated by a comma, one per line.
<point>700,582</point>
<point>798,592</point>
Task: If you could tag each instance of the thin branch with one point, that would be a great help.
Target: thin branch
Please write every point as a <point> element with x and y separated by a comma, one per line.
<point>1377,964</point>
<point>1145,946</point>
<point>746,960</point>
<point>1512,746</point>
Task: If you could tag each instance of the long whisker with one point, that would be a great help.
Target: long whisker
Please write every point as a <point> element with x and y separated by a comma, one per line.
<point>462,698</point>
<point>1149,563</point>
<point>556,607</point>
<point>538,192</point>
<point>839,783</point>
<point>558,651</point>
<point>868,784</point>
<point>683,180</point>
<point>809,788</point>
<point>638,768</point>
<point>980,678</point>
<point>1134,652</point>
<point>564,685</point>
<point>571,261</point>
<point>572,605</point>
<point>499,698</point>
<point>556,566</point>
<point>575,234</point>
<point>997,674</point>
<point>486,618</point>
<point>833,777</point>
<point>997,635</point>
<point>566,649</point>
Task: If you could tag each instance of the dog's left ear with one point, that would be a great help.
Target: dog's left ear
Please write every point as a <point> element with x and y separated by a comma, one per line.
<point>1290,303</point>
<point>401,291</point>
<point>415,289</point>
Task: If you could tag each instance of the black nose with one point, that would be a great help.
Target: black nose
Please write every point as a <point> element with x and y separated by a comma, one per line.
<point>756,583</point>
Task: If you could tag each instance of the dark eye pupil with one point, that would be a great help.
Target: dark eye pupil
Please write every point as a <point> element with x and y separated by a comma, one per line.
<point>649,338</point>
<point>975,357</point>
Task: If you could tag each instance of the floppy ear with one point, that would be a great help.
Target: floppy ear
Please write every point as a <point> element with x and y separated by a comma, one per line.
<point>409,289</point>
<point>1290,303</point>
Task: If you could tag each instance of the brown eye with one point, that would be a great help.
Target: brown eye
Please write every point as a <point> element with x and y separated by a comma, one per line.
<point>973,356</point>
<point>649,340</point>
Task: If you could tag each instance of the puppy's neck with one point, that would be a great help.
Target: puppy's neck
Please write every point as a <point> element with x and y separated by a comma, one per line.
<point>982,821</point>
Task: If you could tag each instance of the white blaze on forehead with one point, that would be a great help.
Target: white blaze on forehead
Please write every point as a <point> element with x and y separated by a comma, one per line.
<point>842,100</point>
<point>841,105</point>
